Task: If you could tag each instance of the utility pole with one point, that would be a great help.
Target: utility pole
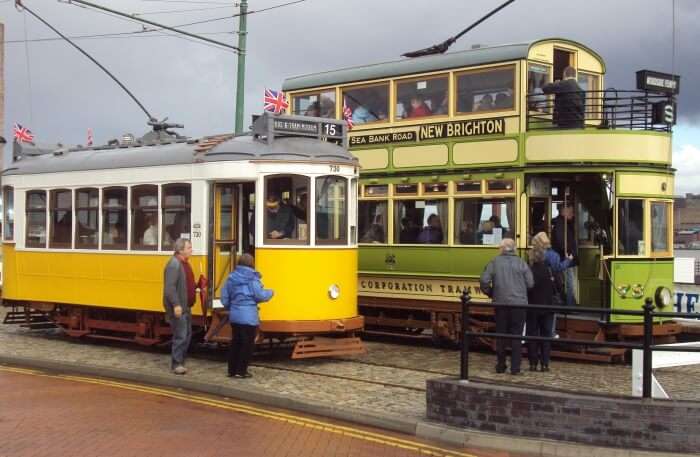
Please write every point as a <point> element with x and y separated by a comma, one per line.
<point>240,83</point>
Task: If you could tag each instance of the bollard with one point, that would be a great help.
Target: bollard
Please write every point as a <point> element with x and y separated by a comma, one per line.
<point>647,352</point>
<point>464,362</point>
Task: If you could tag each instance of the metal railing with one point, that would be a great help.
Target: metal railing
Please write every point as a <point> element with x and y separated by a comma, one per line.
<point>605,109</point>
<point>647,345</point>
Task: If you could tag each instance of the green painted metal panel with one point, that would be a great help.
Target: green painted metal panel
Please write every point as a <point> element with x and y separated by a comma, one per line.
<point>651,274</point>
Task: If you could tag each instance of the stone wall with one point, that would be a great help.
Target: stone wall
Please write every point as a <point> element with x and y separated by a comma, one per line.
<point>658,425</point>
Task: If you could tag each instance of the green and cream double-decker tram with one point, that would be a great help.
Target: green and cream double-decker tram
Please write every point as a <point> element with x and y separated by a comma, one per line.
<point>461,150</point>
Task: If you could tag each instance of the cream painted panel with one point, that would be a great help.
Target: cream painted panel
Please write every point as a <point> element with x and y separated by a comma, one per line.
<point>644,184</point>
<point>598,147</point>
<point>420,156</point>
<point>543,52</point>
<point>588,62</point>
<point>485,152</point>
<point>372,159</point>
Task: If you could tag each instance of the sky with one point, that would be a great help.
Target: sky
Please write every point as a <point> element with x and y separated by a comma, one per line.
<point>59,94</point>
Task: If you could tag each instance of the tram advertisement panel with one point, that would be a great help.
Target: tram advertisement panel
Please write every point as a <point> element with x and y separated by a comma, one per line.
<point>419,288</point>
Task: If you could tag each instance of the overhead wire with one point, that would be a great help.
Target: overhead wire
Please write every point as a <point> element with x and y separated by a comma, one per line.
<point>189,10</point>
<point>189,1</point>
<point>116,35</point>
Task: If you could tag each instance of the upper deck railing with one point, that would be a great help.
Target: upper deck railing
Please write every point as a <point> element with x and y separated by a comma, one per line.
<point>605,109</point>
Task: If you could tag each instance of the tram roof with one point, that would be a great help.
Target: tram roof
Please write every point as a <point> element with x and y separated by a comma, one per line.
<point>240,148</point>
<point>425,64</point>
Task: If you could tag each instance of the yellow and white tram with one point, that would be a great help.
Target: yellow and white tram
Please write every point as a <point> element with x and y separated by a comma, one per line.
<point>87,231</point>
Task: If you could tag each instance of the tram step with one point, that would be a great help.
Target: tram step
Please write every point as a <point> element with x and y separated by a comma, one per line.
<point>33,319</point>
<point>327,347</point>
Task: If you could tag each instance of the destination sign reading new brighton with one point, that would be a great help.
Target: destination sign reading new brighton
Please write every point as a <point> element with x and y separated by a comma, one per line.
<point>454,129</point>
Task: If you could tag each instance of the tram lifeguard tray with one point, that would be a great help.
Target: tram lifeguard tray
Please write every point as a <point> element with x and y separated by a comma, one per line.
<point>268,126</point>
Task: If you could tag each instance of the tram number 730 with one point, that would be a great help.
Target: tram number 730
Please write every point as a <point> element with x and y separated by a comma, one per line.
<point>334,168</point>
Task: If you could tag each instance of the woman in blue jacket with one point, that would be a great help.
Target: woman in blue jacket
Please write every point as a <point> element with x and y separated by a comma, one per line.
<point>240,296</point>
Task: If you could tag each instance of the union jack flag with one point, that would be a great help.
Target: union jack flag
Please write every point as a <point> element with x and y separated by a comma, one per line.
<point>23,134</point>
<point>275,101</point>
<point>347,115</point>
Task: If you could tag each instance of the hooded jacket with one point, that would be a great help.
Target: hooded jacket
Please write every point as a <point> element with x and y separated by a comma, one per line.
<point>241,295</point>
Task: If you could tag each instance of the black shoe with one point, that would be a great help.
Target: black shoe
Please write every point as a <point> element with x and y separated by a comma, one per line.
<point>545,368</point>
<point>533,367</point>
<point>516,373</point>
<point>501,368</point>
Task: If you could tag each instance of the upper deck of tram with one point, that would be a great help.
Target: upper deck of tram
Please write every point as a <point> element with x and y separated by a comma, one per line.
<point>447,106</point>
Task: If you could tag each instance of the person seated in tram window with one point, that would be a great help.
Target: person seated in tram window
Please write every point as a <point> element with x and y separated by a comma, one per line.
<point>409,230</point>
<point>375,232</point>
<point>503,101</point>
<point>314,110</point>
<point>467,234</point>
<point>362,115</point>
<point>443,107</point>
<point>150,235</point>
<point>486,103</point>
<point>431,233</point>
<point>279,218</point>
<point>418,107</point>
<point>569,101</point>
<point>327,107</point>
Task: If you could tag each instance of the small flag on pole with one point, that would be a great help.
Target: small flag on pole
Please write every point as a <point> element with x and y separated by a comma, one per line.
<point>23,134</point>
<point>347,115</point>
<point>89,137</point>
<point>275,101</point>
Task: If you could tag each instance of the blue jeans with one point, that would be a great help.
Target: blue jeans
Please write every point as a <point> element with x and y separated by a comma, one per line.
<point>182,334</point>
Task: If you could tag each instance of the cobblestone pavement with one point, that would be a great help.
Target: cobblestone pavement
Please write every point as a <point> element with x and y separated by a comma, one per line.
<point>390,379</point>
<point>174,423</point>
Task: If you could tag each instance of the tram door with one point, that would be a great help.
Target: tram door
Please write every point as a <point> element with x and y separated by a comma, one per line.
<point>226,232</point>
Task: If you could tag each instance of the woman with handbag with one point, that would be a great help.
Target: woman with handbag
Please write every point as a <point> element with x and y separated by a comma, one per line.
<point>545,264</point>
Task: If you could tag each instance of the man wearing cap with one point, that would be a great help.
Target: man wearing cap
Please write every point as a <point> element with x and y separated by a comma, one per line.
<point>279,221</point>
<point>506,280</point>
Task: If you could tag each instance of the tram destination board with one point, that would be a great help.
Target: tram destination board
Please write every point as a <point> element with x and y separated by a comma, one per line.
<point>658,82</point>
<point>304,127</point>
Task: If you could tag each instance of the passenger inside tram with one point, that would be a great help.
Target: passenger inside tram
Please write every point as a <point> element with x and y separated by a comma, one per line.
<point>485,103</point>
<point>280,218</point>
<point>418,107</point>
<point>432,232</point>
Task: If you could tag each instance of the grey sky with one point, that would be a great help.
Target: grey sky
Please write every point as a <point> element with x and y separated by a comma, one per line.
<point>195,84</point>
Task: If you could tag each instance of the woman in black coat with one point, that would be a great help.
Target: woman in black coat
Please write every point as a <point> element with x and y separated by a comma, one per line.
<point>539,323</point>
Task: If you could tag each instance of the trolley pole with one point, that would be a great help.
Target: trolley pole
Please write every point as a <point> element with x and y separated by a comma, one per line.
<point>240,83</point>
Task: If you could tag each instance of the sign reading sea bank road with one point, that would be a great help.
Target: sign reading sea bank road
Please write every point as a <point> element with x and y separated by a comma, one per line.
<point>454,129</point>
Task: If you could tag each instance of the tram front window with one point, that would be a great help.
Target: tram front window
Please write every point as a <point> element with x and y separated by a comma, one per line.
<point>483,222</point>
<point>331,210</point>
<point>319,104</point>
<point>420,221</point>
<point>373,221</point>
<point>285,215</point>
<point>630,219</point>
<point>660,215</point>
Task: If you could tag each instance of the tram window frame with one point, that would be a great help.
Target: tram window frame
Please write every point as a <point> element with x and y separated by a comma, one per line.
<point>92,192</point>
<point>641,242</point>
<point>484,91</point>
<point>40,211</point>
<point>8,213</point>
<point>140,214</point>
<point>458,236</point>
<point>430,188</point>
<point>469,192</point>
<point>319,94</point>
<point>353,215</point>
<point>376,112</point>
<point>538,102</point>
<point>406,190</point>
<point>54,211</point>
<point>343,229</point>
<point>668,238</point>
<point>122,210</point>
<point>443,213</point>
<point>376,231</point>
<point>401,98</point>
<point>297,192</point>
<point>167,240</point>
<point>490,184</point>
<point>593,96</point>
<point>367,190</point>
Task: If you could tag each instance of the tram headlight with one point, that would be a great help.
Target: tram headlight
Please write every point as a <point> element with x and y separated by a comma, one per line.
<point>334,291</point>
<point>663,297</point>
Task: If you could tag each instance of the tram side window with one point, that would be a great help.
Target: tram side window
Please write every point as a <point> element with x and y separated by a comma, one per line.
<point>144,218</point>
<point>36,219</point>
<point>486,90</point>
<point>8,198</point>
<point>630,219</point>
<point>484,222</point>
<point>286,219</point>
<point>114,214</point>
<point>373,221</point>
<point>319,104</point>
<point>537,77</point>
<point>368,104</point>
<point>331,210</point>
<point>87,205</point>
<point>422,98</point>
<point>660,215</point>
<point>177,208</point>
<point>61,218</point>
<point>589,82</point>
<point>420,221</point>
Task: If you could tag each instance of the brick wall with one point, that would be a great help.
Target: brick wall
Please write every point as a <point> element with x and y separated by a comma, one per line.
<point>658,425</point>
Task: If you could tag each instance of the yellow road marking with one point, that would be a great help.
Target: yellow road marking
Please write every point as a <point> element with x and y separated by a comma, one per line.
<point>258,412</point>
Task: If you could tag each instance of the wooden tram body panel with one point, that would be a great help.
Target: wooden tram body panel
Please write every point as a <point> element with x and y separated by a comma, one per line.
<point>461,157</point>
<point>114,288</point>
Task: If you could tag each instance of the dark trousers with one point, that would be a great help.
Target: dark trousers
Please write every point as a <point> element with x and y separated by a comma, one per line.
<point>182,335</point>
<point>539,324</point>
<point>510,321</point>
<point>241,350</point>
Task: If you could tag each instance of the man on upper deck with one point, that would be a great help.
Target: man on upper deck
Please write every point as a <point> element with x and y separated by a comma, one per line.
<point>569,101</point>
